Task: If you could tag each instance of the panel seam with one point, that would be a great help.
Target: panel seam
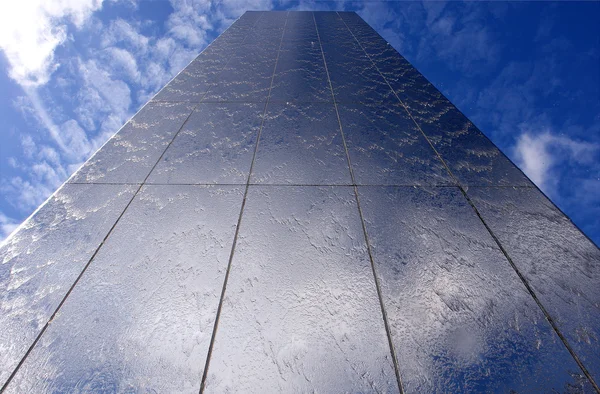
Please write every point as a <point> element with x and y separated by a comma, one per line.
<point>239,222</point>
<point>362,221</point>
<point>296,184</point>
<point>57,310</point>
<point>141,185</point>
<point>494,237</point>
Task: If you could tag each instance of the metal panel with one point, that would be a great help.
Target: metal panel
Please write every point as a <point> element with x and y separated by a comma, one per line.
<point>386,148</point>
<point>300,26</point>
<point>559,262</point>
<point>301,144</point>
<point>353,76</point>
<point>128,157</point>
<point>142,316</point>
<point>272,20</point>
<point>332,28</point>
<point>301,313</point>
<point>215,146</point>
<point>43,259</point>
<point>461,319</point>
<point>300,74</point>
<point>194,81</point>
<point>471,156</point>
<point>247,77</point>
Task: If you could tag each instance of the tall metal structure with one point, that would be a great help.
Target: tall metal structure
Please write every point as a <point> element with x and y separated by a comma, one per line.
<point>299,210</point>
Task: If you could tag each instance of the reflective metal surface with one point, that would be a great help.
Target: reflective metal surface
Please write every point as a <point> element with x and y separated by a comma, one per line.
<point>386,148</point>
<point>460,318</point>
<point>215,146</point>
<point>141,318</point>
<point>301,144</point>
<point>300,74</point>
<point>558,261</point>
<point>469,154</point>
<point>247,76</point>
<point>128,157</point>
<point>301,312</point>
<point>299,210</point>
<point>353,76</point>
<point>43,259</point>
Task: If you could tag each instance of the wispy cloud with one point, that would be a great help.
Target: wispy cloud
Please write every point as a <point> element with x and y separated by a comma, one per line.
<point>7,226</point>
<point>78,96</point>
<point>541,156</point>
<point>31,30</point>
<point>455,34</point>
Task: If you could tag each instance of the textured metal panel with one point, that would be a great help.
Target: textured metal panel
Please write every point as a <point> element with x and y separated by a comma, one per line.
<point>310,288</point>
<point>301,311</point>
<point>142,316</point>
<point>560,263</point>
<point>470,155</point>
<point>300,26</point>
<point>386,148</point>
<point>460,318</point>
<point>332,28</point>
<point>215,146</point>
<point>300,74</point>
<point>194,81</point>
<point>128,157</point>
<point>247,76</point>
<point>41,262</point>
<point>353,76</point>
<point>301,144</point>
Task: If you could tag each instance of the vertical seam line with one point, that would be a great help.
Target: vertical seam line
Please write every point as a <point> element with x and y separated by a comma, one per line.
<point>362,221</point>
<point>239,222</point>
<point>496,240</point>
<point>141,185</point>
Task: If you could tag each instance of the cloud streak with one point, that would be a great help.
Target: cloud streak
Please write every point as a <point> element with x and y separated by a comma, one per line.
<point>540,155</point>
<point>31,30</point>
<point>81,95</point>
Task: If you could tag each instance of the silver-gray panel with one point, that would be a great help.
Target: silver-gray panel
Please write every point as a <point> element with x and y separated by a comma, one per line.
<point>353,76</point>
<point>41,262</point>
<point>469,154</point>
<point>247,77</point>
<point>216,145</point>
<point>300,74</point>
<point>558,261</point>
<point>460,318</point>
<point>411,287</point>
<point>142,316</point>
<point>130,155</point>
<point>301,144</point>
<point>301,312</point>
<point>386,148</point>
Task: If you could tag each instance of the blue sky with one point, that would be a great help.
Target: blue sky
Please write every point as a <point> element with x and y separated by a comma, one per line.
<point>526,73</point>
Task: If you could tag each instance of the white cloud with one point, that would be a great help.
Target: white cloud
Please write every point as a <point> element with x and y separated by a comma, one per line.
<point>76,140</point>
<point>123,62</point>
<point>539,154</point>
<point>7,226</point>
<point>30,193</point>
<point>120,31</point>
<point>31,30</point>
<point>28,146</point>
<point>38,110</point>
<point>533,157</point>
<point>99,85</point>
<point>111,96</point>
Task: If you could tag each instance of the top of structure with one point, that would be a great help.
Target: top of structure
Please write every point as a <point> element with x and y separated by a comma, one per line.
<point>299,210</point>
